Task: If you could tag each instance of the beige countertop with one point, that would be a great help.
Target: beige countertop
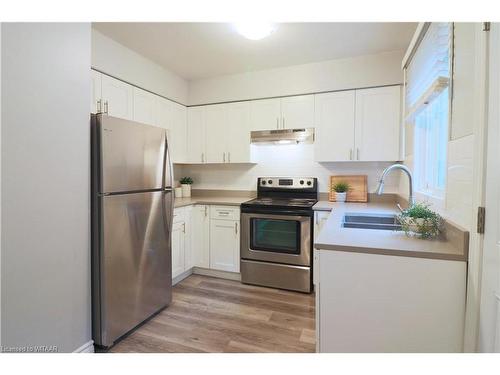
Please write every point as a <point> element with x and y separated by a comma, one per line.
<point>222,200</point>
<point>450,246</point>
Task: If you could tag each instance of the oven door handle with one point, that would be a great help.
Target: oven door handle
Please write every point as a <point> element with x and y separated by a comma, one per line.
<point>282,214</point>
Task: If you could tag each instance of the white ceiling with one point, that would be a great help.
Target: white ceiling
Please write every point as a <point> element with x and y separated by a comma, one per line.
<point>202,50</point>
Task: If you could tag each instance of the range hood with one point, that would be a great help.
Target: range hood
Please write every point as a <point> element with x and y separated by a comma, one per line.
<point>283,136</point>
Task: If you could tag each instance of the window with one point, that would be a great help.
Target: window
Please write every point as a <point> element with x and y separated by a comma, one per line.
<point>431,138</point>
<point>428,108</point>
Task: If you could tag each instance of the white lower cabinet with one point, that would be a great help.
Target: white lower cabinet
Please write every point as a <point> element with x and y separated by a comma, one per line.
<point>225,245</point>
<point>182,259</point>
<point>381,303</point>
<point>207,237</point>
<point>200,229</point>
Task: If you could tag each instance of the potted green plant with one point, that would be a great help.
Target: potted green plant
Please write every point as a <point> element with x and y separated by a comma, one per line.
<point>341,188</point>
<point>420,221</point>
<point>186,183</point>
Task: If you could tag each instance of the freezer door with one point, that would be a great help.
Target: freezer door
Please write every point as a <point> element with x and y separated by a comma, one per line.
<point>136,275</point>
<point>132,156</point>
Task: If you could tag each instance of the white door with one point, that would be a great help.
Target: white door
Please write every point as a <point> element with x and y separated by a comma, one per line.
<point>378,122</point>
<point>178,245</point>
<point>118,98</point>
<point>334,126</point>
<point>489,322</point>
<point>200,228</point>
<point>95,95</point>
<point>178,133</point>
<point>216,133</point>
<point>265,114</point>
<point>196,135</point>
<point>297,112</point>
<point>224,245</point>
<point>238,132</point>
<point>144,106</point>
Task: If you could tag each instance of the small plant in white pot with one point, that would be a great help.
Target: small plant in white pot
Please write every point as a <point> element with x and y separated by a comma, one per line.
<point>341,188</point>
<point>186,183</point>
<point>420,221</point>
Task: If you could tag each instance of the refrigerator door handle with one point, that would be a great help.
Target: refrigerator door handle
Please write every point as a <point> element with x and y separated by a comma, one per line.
<point>168,177</point>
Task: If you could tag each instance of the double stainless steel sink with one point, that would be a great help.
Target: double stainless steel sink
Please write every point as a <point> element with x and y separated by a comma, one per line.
<point>371,221</point>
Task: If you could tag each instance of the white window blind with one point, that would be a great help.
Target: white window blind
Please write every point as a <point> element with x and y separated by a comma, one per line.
<point>428,72</point>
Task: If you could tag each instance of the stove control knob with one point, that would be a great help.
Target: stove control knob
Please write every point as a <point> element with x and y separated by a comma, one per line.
<point>270,182</point>
<point>263,182</point>
<point>302,182</point>
<point>309,183</point>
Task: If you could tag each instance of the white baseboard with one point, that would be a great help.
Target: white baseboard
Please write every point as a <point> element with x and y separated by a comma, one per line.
<point>215,273</point>
<point>88,347</point>
<point>182,276</point>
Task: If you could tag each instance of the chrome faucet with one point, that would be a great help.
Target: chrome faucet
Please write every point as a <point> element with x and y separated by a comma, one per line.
<point>404,168</point>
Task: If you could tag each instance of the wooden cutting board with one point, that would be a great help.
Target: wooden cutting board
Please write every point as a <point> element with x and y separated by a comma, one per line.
<point>358,191</point>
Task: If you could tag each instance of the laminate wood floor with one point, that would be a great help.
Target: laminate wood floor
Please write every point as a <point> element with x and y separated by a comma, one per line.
<point>215,315</point>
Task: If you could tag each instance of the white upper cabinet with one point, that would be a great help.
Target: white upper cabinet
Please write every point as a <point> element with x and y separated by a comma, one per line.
<point>265,114</point>
<point>378,121</point>
<point>96,91</point>
<point>118,98</point>
<point>216,133</point>
<point>162,112</point>
<point>219,133</point>
<point>178,133</point>
<point>297,112</point>
<point>334,126</point>
<point>358,125</point>
<point>238,132</point>
<point>196,146</point>
<point>144,106</point>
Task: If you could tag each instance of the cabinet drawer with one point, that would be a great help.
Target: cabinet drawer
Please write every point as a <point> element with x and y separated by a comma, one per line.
<point>225,213</point>
<point>179,215</point>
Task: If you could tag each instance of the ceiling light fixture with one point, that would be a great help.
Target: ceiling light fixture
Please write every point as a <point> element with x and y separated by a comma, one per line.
<point>255,30</point>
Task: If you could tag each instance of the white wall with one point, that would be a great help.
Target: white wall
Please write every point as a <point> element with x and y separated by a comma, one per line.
<point>117,60</point>
<point>357,72</point>
<point>282,160</point>
<point>45,185</point>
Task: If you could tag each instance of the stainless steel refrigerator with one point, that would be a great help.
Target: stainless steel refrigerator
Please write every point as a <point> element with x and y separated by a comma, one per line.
<point>132,209</point>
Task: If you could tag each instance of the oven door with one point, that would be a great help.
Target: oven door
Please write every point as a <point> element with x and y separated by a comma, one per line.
<point>276,238</point>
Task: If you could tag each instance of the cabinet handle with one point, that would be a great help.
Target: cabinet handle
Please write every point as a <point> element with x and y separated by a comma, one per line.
<point>357,153</point>
<point>224,157</point>
<point>206,207</point>
<point>236,228</point>
<point>99,106</point>
<point>277,122</point>
<point>184,228</point>
<point>223,213</point>
<point>106,107</point>
<point>229,157</point>
<point>350,154</point>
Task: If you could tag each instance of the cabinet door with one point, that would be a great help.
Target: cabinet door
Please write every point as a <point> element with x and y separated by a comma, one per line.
<point>200,227</point>
<point>196,135</point>
<point>178,237</point>
<point>178,133</point>
<point>216,132</point>
<point>334,126</point>
<point>297,112</point>
<point>225,245</point>
<point>238,132</point>
<point>118,97</point>
<point>188,234</point>
<point>265,114</point>
<point>96,87</point>
<point>378,114</point>
<point>144,106</point>
<point>162,113</point>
